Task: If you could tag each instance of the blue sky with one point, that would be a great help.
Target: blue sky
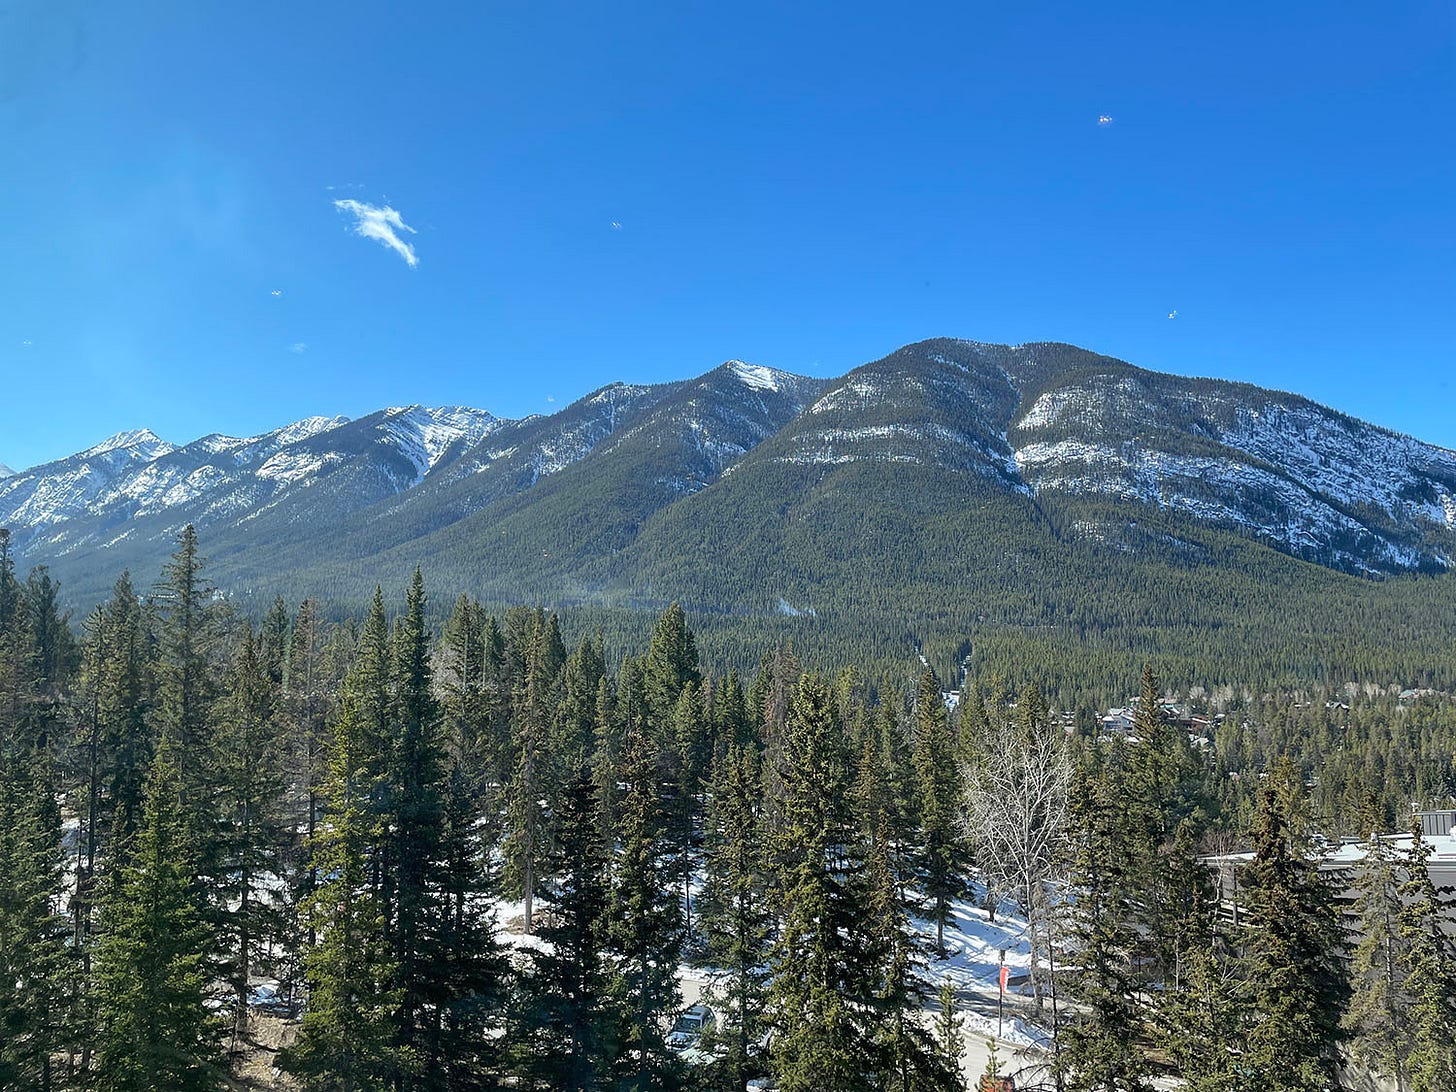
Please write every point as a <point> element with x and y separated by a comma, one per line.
<point>640,191</point>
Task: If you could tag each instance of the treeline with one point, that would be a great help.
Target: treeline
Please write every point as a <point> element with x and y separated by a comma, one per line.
<point>207,824</point>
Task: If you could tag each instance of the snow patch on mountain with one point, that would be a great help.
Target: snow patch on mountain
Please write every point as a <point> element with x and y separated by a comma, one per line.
<point>291,467</point>
<point>855,394</point>
<point>1313,481</point>
<point>1219,490</point>
<point>141,443</point>
<point>423,435</point>
<point>757,376</point>
<point>6,472</point>
<point>306,429</point>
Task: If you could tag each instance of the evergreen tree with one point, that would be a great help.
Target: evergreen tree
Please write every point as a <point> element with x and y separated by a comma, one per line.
<point>36,965</point>
<point>1163,789</point>
<point>188,681</point>
<point>646,926</point>
<point>671,664</point>
<point>941,845</point>
<point>466,986</point>
<point>950,1039</point>
<point>1296,986</point>
<point>249,783</point>
<point>527,839</point>
<point>123,696</point>
<point>820,1041</point>
<point>1375,1020</point>
<point>1099,1051</point>
<point>413,823</point>
<point>349,1036</point>
<point>154,1030</point>
<point>567,1033</point>
<point>274,645</point>
<point>1423,926</point>
<point>1200,1021</point>
<point>902,1048</point>
<point>733,910</point>
<point>306,707</point>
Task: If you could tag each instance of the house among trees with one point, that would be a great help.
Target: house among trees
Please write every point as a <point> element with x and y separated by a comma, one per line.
<point>1342,864</point>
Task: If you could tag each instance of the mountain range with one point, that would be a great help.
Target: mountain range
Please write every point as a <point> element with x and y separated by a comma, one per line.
<point>950,487</point>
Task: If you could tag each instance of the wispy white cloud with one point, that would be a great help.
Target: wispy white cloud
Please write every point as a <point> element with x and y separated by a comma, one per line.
<point>298,348</point>
<point>382,224</point>
<point>1104,119</point>
<point>1173,313</point>
<point>276,293</point>
<point>616,225</point>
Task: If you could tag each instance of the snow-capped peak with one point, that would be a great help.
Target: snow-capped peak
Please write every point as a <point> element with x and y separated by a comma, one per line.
<point>6,472</point>
<point>308,427</point>
<point>756,375</point>
<point>425,433</point>
<point>142,441</point>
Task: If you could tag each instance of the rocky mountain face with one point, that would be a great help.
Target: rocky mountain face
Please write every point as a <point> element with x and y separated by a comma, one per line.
<point>650,490</point>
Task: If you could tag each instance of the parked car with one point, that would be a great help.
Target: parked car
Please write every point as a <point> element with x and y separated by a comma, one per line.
<point>688,1030</point>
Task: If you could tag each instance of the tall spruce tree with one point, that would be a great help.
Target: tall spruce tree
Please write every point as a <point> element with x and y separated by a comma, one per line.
<point>901,1048</point>
<point>153,1028</point>
<point>187,674</point>
<point>528,840</point>
<point>349,1039</point>
<point>1099,1051</point>
<point>467,983</point>
<point>646,924</point>
<point>733,911</point>
<point>413,824</point>
<point>1375,1020</point>
<point>943,858</point>
<point>1297,989</point>
<point>1424,927</point>
<point>821,1041</point>
<point>249,787</point>
<point>37,966</point>
<point>567,1030</point>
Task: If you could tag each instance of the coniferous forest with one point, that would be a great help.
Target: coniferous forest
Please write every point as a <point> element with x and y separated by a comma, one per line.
<point>431,847</point>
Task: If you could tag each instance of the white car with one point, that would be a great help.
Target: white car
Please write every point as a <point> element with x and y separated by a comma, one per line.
<point>688,1031</point>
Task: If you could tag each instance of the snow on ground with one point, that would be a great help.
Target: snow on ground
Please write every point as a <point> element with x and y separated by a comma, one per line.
<point>973,944</point>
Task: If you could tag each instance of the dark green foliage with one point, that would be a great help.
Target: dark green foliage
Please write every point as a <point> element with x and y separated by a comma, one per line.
<point>187,671</point>
<point>153,1030</point>
<point>348,1040</point>
<point>1376,1019</point>
<point>36,967</point>
<point>1099,1050</point>
<point>248,781</point>
<point>950,1040</point>
<point>466,978</point>
<point>818,811</point>
<point>569,1030</point>
<point>940,843</point>
<point>413,821</point>
<point>645,923</point>
<point>818,966</point>
<point>1297,990</point>
<point>733,911</point>
<point>1429,968</point>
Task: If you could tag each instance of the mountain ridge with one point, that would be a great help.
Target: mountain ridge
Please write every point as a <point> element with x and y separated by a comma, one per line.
<point>965,483</point>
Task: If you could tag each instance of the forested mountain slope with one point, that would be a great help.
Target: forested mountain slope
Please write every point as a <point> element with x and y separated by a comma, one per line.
<point>1035,496</point>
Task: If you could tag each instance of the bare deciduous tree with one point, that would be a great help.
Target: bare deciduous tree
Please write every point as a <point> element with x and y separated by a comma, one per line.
<point>1017,785</point>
